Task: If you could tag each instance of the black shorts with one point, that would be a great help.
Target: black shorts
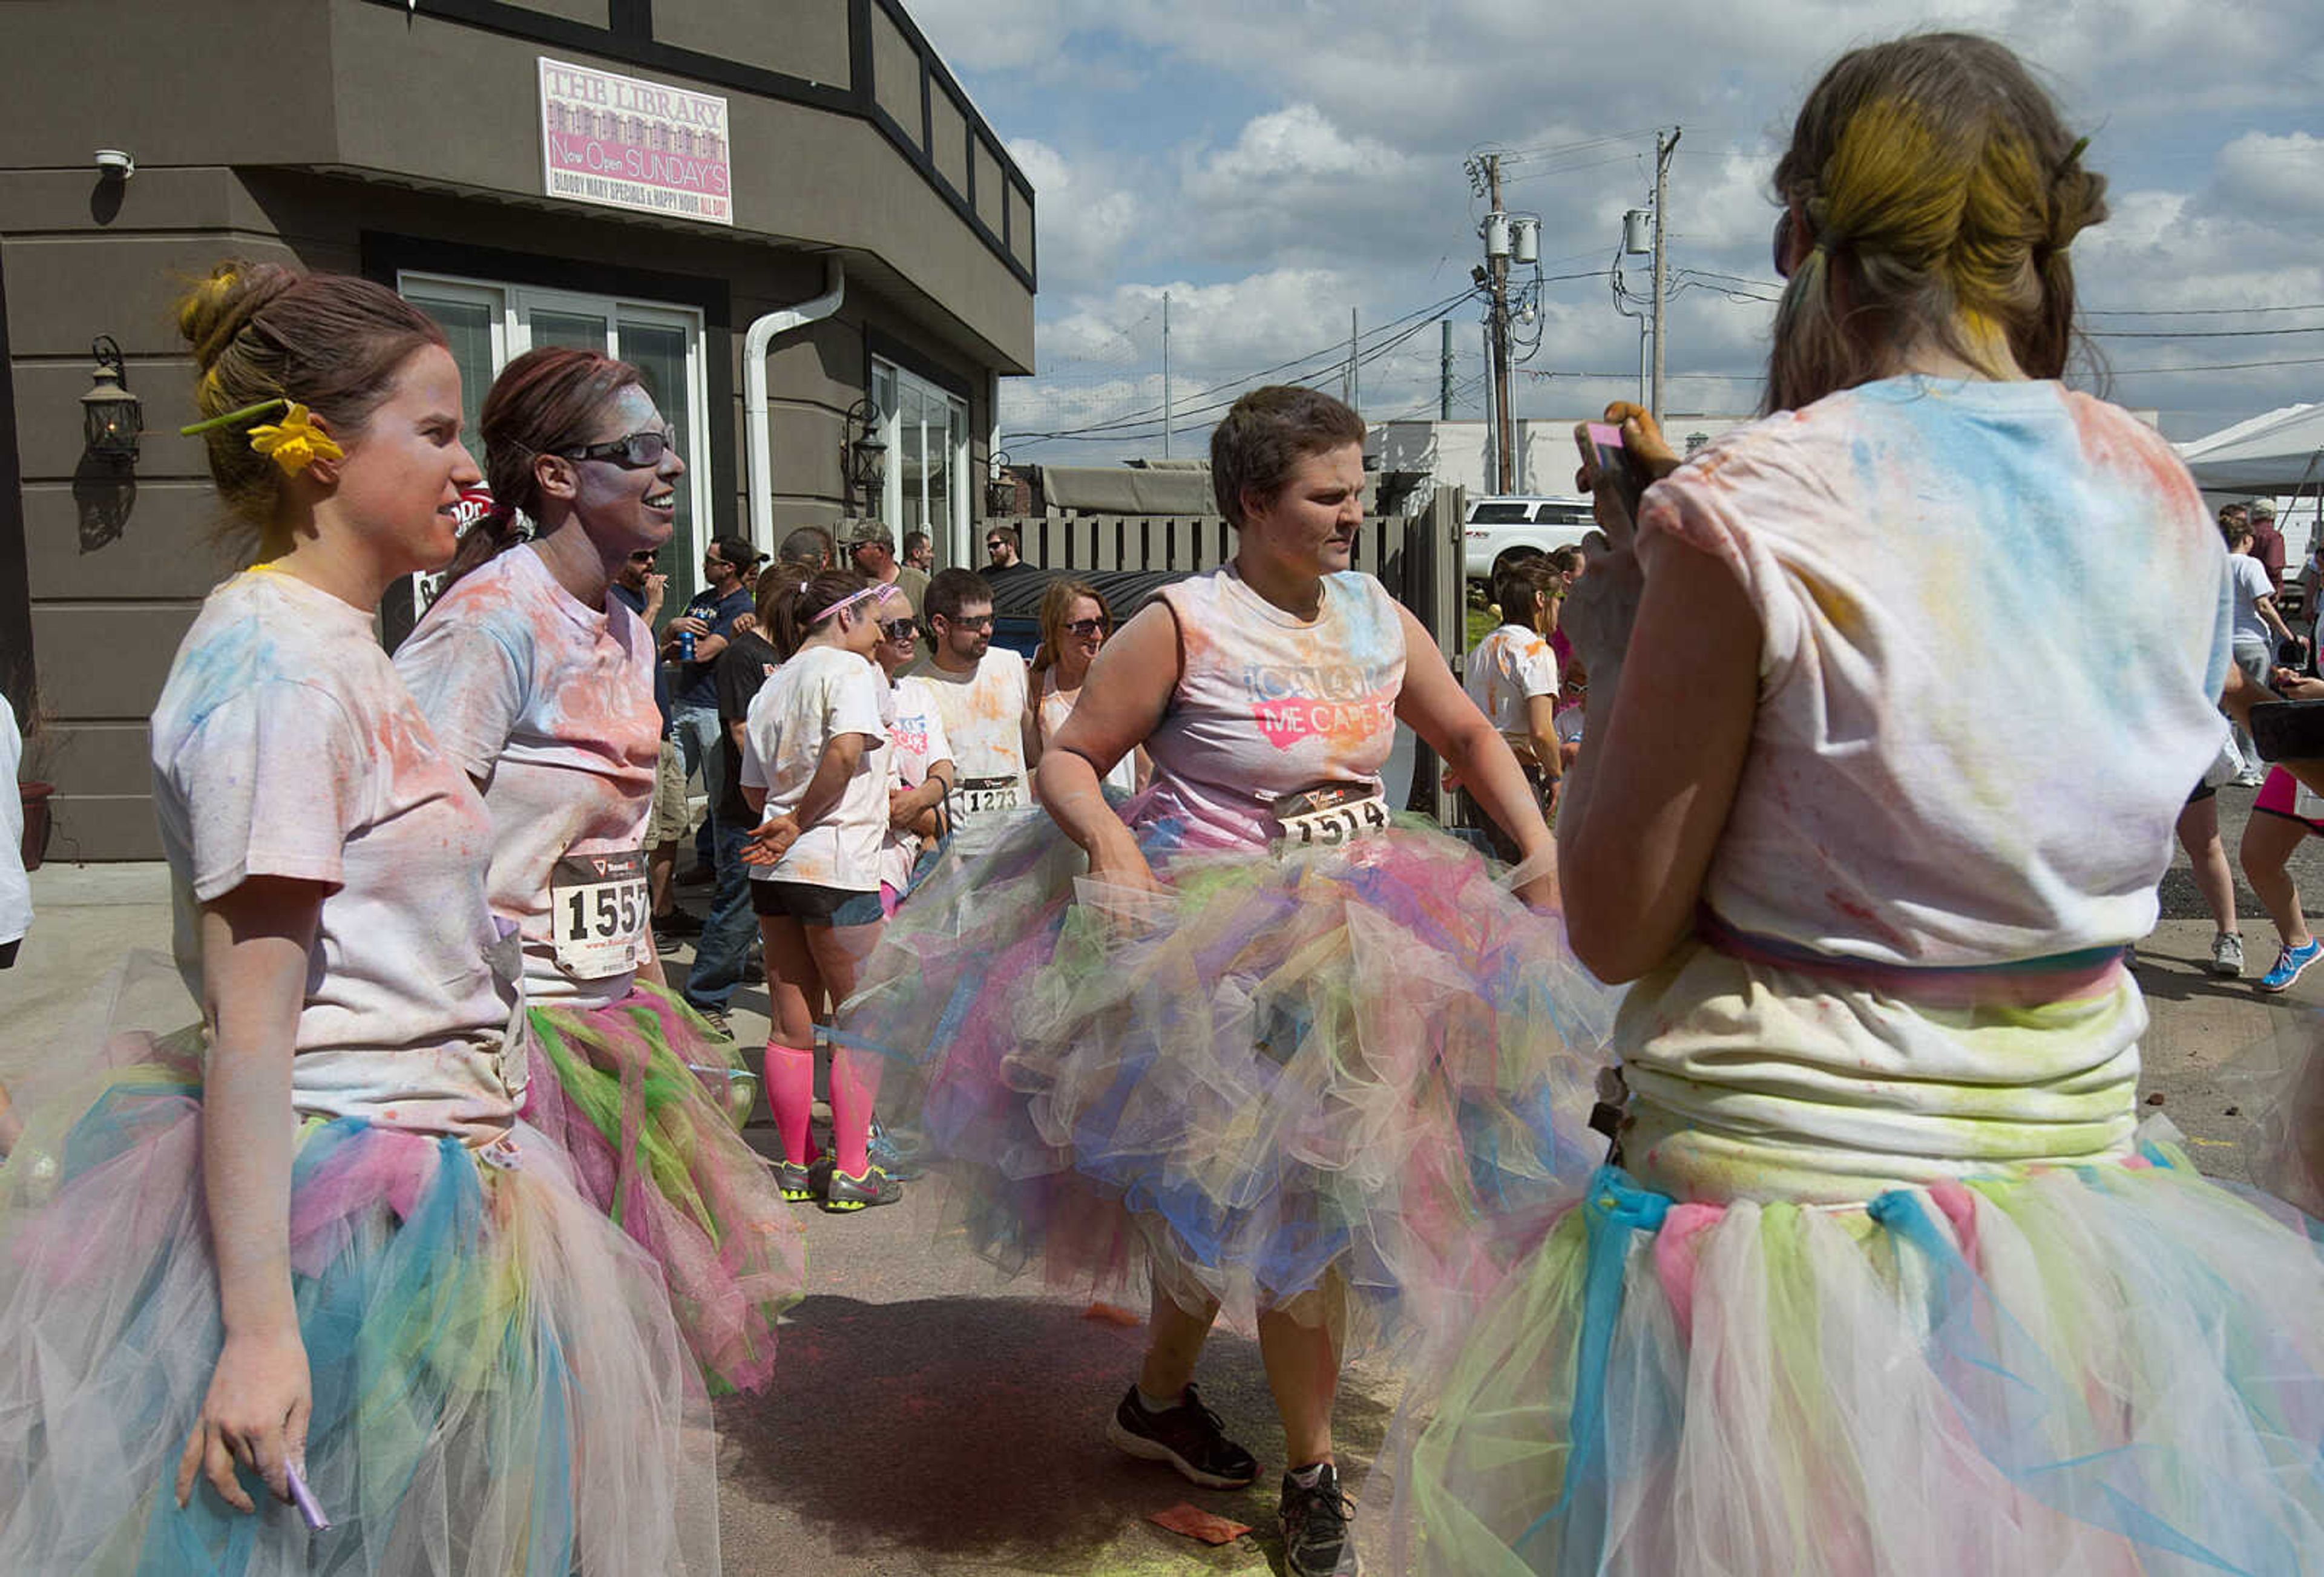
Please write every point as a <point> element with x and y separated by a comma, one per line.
<point>810,905</point>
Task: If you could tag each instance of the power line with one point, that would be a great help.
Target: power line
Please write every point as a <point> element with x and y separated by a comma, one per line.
<point>1117,428</point>
<point>2214,367</point>
<point>1518,155</point>
<point>2112,372</point>
<point>2199,333</point>
<point>2193,311</point>
<point>1335,351</point>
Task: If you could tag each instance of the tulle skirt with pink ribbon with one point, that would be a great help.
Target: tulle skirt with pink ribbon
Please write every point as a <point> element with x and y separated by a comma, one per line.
<point>498,1384</point>
<point>643,1095</point>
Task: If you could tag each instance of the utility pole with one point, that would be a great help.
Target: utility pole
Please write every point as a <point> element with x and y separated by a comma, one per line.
<point>1444,373</point>
<point>1665,145</point>
<point>1497,262</point>
<point>1492,408</point>
<point>1355,377</point>
<point>1165,375</point>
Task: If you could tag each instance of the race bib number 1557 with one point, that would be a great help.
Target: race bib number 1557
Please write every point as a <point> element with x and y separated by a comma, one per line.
<point>599,905</point>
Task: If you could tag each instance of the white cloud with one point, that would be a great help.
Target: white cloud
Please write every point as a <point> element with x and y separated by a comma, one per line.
<point>1086,220</point>
<point>1306,158</point>
<point>2260,173</point>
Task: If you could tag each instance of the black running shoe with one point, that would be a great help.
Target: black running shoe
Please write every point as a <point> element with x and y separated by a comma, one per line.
<point>797,1186</point>
<point>678,923</point>
<point>1316,1540</point>
<point>843,1193</point>
<point>1188,1436</point>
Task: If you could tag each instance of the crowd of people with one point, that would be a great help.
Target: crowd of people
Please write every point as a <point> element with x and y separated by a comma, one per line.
<point>1746,1167</point>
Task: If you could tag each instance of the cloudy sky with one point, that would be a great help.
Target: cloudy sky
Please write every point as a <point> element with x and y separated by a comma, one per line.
<point>1275,164</point>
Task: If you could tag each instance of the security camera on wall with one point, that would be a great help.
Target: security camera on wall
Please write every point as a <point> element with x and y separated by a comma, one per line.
<point>115,165</point>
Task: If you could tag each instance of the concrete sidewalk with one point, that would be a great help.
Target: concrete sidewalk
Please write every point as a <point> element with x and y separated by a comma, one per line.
<point>927,1417</point>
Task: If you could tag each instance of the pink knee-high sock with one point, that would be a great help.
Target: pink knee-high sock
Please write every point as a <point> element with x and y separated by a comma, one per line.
<point>790,1090</point>
<point>854,1083</point>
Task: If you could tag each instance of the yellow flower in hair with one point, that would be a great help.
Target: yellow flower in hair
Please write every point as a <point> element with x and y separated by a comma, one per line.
<point>295,442</point>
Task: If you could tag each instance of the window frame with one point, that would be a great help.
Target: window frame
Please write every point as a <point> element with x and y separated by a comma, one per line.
<point>898,378</point>
<point>513,303</point>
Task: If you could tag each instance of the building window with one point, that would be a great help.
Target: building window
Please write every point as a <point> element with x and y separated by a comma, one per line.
<point>926,432</point>
<point>489,324</point>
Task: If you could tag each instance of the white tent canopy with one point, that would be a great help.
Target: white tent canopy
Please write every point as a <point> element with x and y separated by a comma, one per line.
<point>2280,452</point>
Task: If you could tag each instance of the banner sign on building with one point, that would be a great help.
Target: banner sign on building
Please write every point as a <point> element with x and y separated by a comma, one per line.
<point>625,144</point>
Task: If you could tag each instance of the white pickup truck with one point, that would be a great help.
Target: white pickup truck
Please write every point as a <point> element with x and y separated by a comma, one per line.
<point>1496,525</point>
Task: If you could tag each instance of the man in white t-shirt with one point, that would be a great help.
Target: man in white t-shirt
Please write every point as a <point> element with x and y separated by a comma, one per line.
<point>980,695</point>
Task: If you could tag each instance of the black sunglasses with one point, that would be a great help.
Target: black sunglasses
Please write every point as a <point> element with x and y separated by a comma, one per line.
<point>1085,628</point>
<point>899,631</point>
<point>634,453</point>
<point>644,556</point>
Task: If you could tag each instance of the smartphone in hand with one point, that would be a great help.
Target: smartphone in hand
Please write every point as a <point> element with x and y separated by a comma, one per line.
<point>1612,466</point>
<point>2288,731</point>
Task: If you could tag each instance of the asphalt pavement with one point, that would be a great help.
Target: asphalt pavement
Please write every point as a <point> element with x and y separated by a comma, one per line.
<point>929,1417</point>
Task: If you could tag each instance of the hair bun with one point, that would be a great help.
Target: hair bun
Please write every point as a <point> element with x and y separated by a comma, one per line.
<point>222,305</point>
<point>2076,201</point>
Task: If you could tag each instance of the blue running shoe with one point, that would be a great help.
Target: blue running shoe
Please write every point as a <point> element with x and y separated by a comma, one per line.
<point>890,1156</point>
<point>2289,963</point>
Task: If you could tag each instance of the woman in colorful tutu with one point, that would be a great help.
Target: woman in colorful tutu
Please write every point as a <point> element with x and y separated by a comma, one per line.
<point>1277,1044</point>
<point>540,683</point>
<point>1886,1279</point>
<point>307,1255</point>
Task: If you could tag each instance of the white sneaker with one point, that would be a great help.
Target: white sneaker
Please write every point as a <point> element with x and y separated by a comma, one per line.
<point>2228,955</point>
<point>2250,779</point>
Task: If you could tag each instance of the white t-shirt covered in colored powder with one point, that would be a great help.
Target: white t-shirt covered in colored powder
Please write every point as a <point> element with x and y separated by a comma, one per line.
<point>1510,667</point>
<point>983,712</point>
<point>549,705</point>
<point>821,693</point>
<point>285,745</point>
<point>1268,704</point>
<point>1994,647</point>
<point>1055,707</point>
<point>918,734</point>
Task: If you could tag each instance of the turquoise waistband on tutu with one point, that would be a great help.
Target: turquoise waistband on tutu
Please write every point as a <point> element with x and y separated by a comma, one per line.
<point>2038,1427</point>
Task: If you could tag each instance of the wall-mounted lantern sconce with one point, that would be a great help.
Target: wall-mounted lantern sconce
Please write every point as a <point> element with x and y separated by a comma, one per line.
<point>1001,489</point>
<point>863,452</point>
<point>111,416</point>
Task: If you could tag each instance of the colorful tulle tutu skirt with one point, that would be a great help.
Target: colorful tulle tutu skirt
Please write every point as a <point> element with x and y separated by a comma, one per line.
<point>1304,1085</point>
<point>637,1092</point>
<point>1892,1284</point>
<point>498,1385</point>
<point>2113,1369</point>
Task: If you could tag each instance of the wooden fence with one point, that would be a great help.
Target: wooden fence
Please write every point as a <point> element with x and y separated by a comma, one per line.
<point>1094,541</point>
<point>1417,558</point>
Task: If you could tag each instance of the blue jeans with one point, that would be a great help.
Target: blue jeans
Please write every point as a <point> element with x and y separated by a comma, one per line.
<point>701,738</point>
<point>721,955</point>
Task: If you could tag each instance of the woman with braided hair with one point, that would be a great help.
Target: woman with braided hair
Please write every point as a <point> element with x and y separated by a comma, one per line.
<point>1886,1277</point>
<point>298,1289</point>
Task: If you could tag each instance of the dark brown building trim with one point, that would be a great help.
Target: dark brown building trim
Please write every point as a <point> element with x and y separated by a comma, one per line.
<point>628,38</point>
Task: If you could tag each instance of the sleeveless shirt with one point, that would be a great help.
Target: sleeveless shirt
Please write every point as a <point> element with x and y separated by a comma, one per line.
<point>1267,703</point>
